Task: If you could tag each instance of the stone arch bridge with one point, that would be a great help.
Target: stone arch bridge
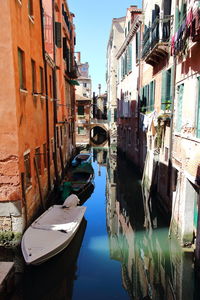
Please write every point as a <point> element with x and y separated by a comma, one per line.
<point>99,132</point>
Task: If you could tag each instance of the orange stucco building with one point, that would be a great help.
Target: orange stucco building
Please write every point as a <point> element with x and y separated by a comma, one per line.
<point>37,101</point>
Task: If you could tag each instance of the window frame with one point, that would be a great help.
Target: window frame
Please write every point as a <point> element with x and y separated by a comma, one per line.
<point>30,9</point>
<point>41,81</point>
<point>82,109</point>
<point>21,69</point>
<point>33,76</point>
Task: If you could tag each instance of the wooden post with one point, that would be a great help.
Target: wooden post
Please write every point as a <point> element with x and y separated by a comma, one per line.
<point>62,163</point>
<point>56,168</point>
<point>24,199</point>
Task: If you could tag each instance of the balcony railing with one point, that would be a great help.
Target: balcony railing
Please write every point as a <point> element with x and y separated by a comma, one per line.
<point>71,68</point>
<point>157,35</point>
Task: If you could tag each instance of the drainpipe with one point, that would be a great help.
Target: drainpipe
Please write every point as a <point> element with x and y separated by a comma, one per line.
<point>170,169</point>
<point>55,119</point>
<point>46,96</point>
<point>140,143</point>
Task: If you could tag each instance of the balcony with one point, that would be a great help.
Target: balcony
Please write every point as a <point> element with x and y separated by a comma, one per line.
<point>156,40</point>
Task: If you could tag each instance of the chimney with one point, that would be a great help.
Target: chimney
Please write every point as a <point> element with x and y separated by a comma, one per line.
<point>78,57</point>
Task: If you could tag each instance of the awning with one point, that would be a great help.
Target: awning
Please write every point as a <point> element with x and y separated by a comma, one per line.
<point>73,82</point>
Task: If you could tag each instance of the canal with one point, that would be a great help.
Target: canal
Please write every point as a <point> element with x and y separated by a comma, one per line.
<point>114,255</point>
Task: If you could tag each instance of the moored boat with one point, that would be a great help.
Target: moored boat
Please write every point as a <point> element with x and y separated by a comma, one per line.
<point>52,231</point>
<point>81,158</point>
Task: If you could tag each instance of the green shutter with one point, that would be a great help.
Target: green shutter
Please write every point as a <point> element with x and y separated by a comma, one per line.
<point>122,65</point>
<point>125,67</point>
<point>166,94</point>
<point>172,83</point>
<point>137,45</point>
<point>176,18</point>
<point>198,111</point>
<point>179,107</point>
<point>163,91</point>
<point>151,95</point>
<point>129,58</point>
<point>81,110</point>
<point>146,97</point>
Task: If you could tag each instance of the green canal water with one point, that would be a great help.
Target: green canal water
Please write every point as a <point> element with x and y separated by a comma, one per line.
<point>113,255</point>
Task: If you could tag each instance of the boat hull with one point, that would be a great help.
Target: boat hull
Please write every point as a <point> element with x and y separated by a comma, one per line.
<point>51,233</point>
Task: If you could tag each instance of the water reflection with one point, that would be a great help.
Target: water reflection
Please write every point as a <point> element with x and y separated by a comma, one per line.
<point>153,266</point>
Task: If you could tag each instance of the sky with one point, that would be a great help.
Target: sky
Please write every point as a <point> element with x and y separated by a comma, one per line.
<point>93,21</point>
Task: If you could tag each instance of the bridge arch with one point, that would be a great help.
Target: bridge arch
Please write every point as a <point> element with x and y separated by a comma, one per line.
<point>98,134</point>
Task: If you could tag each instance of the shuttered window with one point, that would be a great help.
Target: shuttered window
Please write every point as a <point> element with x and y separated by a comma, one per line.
<point>81,130</point>
<point>151,95</point>
<point>137,45</point>
<point>129,58</point>
<point>198,111</point>
<point>125,63</point>
<point>166,93</point>
<point>122,68</point>
<point>58,34</point>
<point>81,110</point>
<point>179,107</point>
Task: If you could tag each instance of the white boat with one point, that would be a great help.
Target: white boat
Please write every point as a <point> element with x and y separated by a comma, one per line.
<point>52,231</point>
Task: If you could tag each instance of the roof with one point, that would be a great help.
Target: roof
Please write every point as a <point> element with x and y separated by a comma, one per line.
<point>82,98</point>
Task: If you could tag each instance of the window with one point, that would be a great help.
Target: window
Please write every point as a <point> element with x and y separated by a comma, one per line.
<point>166,95</point>
<point>61,135</point>
<point>151,95</point>
<point>198,111</point>
<point>81,110</point>
<point>166,153</point>
<point>41,81</point>
<point>129,58</point>
<point>21,66</point>
<point>129,25</point>
<point>137,45</point>
<point>30,8</point>
<point>27,170</point>
<point>179,107</point>
<point>45,155</point>
<point>33,70</point>
<point>84,84</point>
<point>57,137</point>
<point>38,160</point>
<point>52,148</point>
<point>50,85</point>
<point>58,35</point>
<point>81,130</point>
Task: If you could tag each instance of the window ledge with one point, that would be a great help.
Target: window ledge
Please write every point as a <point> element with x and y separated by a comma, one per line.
<point>31,18</point>
<point>187,137</point>
<point>35,94</point>
<point>28,188</point>
<point>23,91</point>
<point>42,97</point>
